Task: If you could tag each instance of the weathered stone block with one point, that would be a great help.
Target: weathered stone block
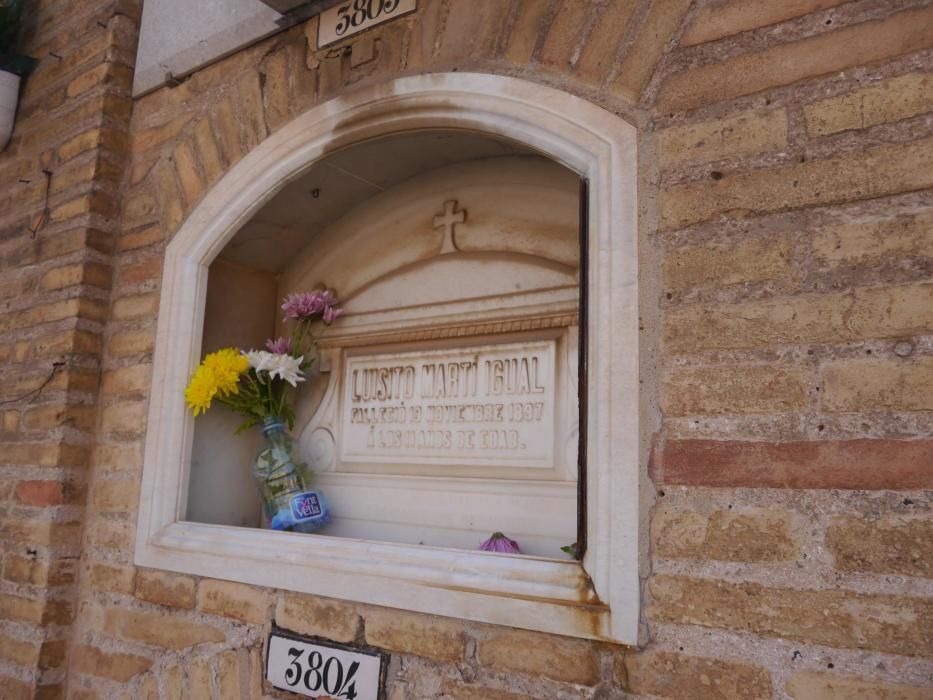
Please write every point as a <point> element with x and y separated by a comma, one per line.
<point>189,173</point>
<point>148,236</point>
<point>887,101</point>
<point>208,150</point>
<point>126,419</point>
<point>173,682</point>
<point>733,16</point>
<point>753,535</point>
<point>114,666</point>
<point>664,17</point>
<point>875,240</point>
<point>318,617</point>
<point>199,678</point>
<point>524,35</point>
<point>148,688</point>
<point>136,306</point>
<point>126,380</point>
<point>25,569</point>
<point>139,209</point>
<point>461,691</point>
<point>158,629</point>
<point>471,31</point>
<point>121,496</point>
<point>112,578</point>
<point>880,171</point>
<point>723,265</point>
<point>141,272</point>
<point>132,342</point>
<point>597,56</point>
<point>535,654</point>
<point>164,588</point>
<point>19,609</point>
<point>861,313</point>
<point>672,675</point>
<point>810,685</point>
<point>783,64</point>
<point>228,675</point>
<point>411,633</point>
<point>889,545</point>
<point>859,385</point>
<point>15,689</point>
<point>146,139</point>
<point>834,617</point>
<point>732,389</point>
<point>731,137</point>
<point>563,35</point>
<point>20,652</point>
<point>171,206</point>
<point>116,535</point>
<point>235,600</point>
<point>274,69</point>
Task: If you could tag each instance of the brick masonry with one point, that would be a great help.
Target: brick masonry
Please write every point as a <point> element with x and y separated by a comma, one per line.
<point>786,212</point>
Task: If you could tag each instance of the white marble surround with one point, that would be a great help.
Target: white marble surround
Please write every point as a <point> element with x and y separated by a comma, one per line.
<point>596,599</point>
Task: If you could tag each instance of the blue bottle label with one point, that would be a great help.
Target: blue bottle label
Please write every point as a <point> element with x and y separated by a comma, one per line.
<point>306,505</point>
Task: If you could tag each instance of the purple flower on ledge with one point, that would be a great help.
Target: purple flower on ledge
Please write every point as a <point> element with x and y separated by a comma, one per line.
<point>280,346</point>
<point>500,543</point>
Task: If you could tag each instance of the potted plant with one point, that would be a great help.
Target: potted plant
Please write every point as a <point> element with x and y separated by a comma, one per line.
<point>13,66</point>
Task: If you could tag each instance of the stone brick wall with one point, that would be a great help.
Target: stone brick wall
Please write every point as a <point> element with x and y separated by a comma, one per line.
<point>59,217</point>
<point>786,191</point>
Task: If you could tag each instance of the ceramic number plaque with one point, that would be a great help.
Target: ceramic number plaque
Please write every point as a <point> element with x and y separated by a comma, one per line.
<point>352,17</point>
<point>321,670</point>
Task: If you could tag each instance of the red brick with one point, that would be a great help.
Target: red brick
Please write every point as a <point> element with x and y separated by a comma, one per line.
<point>831,464</point>
<point>39,493</point>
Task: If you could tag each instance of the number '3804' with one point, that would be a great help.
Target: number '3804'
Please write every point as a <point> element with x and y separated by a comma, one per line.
<point>317,673</point>
<point>355,13</point>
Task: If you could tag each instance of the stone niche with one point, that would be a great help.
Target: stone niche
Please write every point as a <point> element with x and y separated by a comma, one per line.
<point>445,403</point>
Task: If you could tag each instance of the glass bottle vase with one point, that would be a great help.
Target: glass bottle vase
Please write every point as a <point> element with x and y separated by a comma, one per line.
<point>287,501</point>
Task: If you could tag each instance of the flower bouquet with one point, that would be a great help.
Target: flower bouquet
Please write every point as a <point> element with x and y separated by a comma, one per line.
<point>257,385</point>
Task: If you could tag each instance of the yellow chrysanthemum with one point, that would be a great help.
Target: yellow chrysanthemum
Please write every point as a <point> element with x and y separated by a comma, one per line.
<point>227,365</point>
<point>201,390</point>
<point>219,373</point>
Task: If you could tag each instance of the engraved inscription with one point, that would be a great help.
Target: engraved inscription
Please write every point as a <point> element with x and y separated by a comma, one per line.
<point>478,405</point>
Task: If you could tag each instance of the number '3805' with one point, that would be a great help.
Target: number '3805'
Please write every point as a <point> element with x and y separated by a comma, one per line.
<point>316,673</point>
<point>353,14</point>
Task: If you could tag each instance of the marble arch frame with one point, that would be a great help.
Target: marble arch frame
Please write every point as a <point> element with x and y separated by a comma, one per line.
<point>598,599</point>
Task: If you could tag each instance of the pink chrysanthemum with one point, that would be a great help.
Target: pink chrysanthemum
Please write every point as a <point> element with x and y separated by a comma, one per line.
<point>302,306</point>
<point>280,346</point>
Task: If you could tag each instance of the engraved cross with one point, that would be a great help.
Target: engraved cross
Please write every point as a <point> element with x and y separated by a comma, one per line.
<point>448,220</point>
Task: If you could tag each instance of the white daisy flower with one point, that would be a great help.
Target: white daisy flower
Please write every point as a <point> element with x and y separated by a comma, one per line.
<point>277,366</point>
